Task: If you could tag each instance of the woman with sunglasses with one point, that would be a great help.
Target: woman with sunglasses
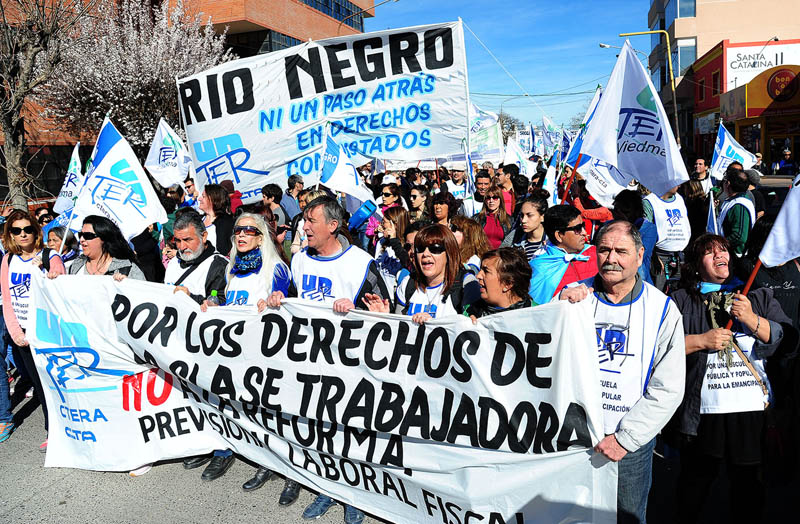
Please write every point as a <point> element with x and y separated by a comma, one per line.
<point>22,238</point>
<point>105,251</point>
<point>444,206</point>
<point>493,217</point>
<point>529,234</point>
<point>390,197</point>
<point>419,203</point>
<point>256,268</point>
<point>472,242</point>
<point>440,283</point>
<point>215,202</point>
<point>55,238</point>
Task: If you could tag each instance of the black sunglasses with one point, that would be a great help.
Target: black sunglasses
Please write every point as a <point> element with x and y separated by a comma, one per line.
<point>87,235</point>
<point>387,195</point>
<point>454,228</point>
<point>407,246</point>
<point>18,230</point>
<point>576,229</point>
<point>491,197</point>
<point>249,231</point>
<point>435,249</point>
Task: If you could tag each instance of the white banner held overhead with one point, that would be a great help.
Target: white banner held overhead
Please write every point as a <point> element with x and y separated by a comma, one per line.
<point>630,129</point>
<point>412,423</point>
<point>783,242</point>
<point>396,94</point>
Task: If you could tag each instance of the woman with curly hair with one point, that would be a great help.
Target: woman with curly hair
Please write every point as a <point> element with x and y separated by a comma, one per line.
<point>493,217</point>
<point>444,206</point>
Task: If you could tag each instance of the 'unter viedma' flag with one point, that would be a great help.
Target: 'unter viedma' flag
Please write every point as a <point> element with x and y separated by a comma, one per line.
<point>630,129</point>
<point>117,187</point>
<point>783,242</point>
<point>168,159</point>
<point>72,183</point>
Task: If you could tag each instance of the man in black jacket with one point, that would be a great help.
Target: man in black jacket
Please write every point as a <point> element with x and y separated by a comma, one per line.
<point>197,270</point>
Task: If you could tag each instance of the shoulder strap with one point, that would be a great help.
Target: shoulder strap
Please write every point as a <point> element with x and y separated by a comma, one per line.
<point>411,288</point>
<point>188,272</point>
<point>456,291</point>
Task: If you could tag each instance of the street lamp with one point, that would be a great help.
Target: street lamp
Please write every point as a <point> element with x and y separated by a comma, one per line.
<point>671,75</point>
<point>609,46</point>
<point>339,28</point>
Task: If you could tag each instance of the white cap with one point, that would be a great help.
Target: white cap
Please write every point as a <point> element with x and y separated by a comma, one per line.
<point>389,179</point>
<point>456,166</point>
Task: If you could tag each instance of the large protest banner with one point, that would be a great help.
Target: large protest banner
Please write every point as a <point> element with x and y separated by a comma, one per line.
<point>397,94</point>
<point>416,424</point>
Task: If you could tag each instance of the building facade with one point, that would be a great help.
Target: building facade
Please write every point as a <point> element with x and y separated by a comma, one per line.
<point>695,29</point>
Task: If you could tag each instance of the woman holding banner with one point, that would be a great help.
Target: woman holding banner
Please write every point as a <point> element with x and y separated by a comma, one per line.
<point>440,283</point>
<point>105,251</point>
<point>25,255</point>
<point>504,278</point>
<point>255,270</point>
<point>721,418</point>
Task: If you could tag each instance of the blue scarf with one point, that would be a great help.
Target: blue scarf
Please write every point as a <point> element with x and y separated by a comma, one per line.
<point>66,257</point>
<point>710,287</point>
<point>246,263</point>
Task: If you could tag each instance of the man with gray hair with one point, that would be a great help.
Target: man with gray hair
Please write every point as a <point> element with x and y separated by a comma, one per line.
<point>641,356</point>
<point>197,270</point>
<point>332,271</point>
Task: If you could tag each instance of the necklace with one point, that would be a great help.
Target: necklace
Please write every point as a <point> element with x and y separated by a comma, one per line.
<point>97,266</point>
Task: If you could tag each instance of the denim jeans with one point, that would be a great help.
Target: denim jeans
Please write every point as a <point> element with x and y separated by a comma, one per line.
<point>633,485</point>
<point>5,402</point>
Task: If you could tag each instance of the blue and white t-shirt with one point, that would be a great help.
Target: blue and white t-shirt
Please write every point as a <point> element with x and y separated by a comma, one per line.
<point>249,289</point>
<point>428,300</point>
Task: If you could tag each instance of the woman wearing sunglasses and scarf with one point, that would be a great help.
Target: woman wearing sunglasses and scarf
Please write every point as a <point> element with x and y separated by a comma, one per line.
<point>22,238</point>
<point>440,283</point>
<point>256,268</point>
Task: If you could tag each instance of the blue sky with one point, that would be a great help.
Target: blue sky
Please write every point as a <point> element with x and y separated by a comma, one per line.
<point>548,46</point>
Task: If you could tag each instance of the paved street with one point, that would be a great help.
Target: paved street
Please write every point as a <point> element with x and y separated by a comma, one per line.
<point>168,493</point>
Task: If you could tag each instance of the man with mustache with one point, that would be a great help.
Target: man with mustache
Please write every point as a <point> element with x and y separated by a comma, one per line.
<point>640,352</point>
<point>197,270</point>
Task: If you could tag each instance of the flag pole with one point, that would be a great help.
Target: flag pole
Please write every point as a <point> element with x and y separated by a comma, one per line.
<point>571,178</point>
<point>747,286</point>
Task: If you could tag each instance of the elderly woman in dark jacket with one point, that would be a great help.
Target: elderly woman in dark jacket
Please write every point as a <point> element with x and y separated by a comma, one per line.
<point>721,418</point>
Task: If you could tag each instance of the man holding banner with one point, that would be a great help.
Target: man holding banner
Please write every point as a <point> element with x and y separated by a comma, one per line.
<point>334,272</point>
<point>641,358</point>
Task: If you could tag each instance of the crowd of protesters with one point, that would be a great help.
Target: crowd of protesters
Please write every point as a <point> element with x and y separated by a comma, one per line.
<point>661,287</point>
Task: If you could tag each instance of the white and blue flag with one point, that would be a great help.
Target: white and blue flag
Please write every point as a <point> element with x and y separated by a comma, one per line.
<point>515,155</point>
<point>339,174</point>
<point>550,136</point>
<point>712,226</point>
<point>117,187</point>
<point>630,129</point>
<point>168,160</point>
<point>728,150</point>
<point>72,183</point>
<point>577,144</point>
<point>783,242</point>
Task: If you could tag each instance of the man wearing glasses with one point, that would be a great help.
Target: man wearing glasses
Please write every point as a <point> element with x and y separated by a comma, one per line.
<point>567,257</point>
<point>190,196</point>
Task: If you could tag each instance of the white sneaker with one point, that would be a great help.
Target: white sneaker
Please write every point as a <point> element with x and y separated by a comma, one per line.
<point>29,394</point>
<point>141,470</point>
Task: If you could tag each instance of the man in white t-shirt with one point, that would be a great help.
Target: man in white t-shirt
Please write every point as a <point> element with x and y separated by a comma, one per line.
<point>641,356</point>
<point>669,215</point>
<point>457,185</point>
<point>332,271</point>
